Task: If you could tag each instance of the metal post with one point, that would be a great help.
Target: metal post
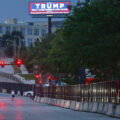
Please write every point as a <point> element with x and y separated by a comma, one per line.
<point>49,25</point>
<point>14,48</point>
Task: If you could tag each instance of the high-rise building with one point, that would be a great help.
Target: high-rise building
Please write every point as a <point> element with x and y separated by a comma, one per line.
<point>30,30</point>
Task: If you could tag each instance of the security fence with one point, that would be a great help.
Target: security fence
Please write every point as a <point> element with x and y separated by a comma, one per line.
<point>95,92</point>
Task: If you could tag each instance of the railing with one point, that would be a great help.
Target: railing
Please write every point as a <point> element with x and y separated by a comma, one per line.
<point>96,92</point>
<point>9,76</point>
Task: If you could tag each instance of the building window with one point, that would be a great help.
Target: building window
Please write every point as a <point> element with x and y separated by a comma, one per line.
<point>7,30</point>
<point>29,31</point>
<point>29,41</point>
<point>1,29</point>
<point>23,42</point>
<point>14,29</point>
<point>22,30</point>
<point>43,32</point>
<point>36,32</point>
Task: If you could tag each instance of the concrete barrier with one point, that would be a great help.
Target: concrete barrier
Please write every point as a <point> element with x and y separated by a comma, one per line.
<point>45,100</point>
<point>62,103</point>
<point>57,102</point>
<point>94,107</point>
<point>85,106</point>
<point>111,109</point>
<point>117,111</point>
<point>42,100</point>
<point>38,99</point>
<point>105,109</point>
<point>90,105</point>
<point>67,104</point>
<point>81,106</point>
<point>77,106</point>
<point>48,102</point>
<point>72,105</point>
<point>35,98</point>
<point>100,107</point>
<point>53,101</point>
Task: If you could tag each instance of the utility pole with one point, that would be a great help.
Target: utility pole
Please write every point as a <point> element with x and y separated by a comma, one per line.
<point>14,48</point>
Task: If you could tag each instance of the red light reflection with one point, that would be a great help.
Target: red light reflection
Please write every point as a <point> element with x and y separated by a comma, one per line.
<point>2,105</point>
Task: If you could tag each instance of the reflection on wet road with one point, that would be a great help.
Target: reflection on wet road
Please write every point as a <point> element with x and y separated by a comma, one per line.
<point>23,108</point>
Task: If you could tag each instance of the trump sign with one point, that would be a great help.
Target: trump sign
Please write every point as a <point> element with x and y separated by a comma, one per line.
<point>49,8</point>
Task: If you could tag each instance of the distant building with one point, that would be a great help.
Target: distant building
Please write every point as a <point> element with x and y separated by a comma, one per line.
<point>30,30</point>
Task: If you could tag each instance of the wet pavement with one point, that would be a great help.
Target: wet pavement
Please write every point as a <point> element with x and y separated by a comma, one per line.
<point>23,108</point>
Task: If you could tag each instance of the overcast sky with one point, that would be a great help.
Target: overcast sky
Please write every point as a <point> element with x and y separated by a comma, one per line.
<point>18,9</point>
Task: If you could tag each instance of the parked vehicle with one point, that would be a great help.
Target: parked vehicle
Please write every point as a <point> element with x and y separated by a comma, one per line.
<point>28,94</point>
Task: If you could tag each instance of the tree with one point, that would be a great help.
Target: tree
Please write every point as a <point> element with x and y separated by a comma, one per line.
<point>9,39</point>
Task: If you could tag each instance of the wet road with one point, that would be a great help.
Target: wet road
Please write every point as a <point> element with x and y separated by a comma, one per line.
<point>23,108</point>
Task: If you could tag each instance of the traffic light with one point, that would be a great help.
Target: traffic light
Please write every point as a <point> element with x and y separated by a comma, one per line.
<point>37,76</point>
<point>49,78</point>
<point>39,82</point>
<point>2,63</point>
<point>18,62</point>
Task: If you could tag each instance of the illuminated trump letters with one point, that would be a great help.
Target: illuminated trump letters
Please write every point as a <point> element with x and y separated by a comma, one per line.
<point>49,8</point>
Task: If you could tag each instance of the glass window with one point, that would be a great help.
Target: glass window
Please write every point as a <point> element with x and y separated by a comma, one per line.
<point>1,29</point>
<point>14,29</point>
<point>43,32</point>
<point>7,29</point>
<point>23,42</point>
<point>29,31</point>
<point>22,30</point>
<point>29,41</point>
<point>36,32</point>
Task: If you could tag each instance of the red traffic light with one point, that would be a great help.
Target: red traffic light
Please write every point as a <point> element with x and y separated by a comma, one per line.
<point>37,76</point>
<point>49,78</point>
<point>2,63</point>
<point>18,62</point>
<point>39,82</point>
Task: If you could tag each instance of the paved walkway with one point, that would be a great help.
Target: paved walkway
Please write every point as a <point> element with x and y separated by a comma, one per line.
<point>23,108</point>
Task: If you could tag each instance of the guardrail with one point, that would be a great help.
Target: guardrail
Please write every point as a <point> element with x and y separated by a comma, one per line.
<point>108,92</point>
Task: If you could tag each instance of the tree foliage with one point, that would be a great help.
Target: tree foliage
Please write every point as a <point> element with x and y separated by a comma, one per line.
<point>8,41</point>
<point>89,38</point>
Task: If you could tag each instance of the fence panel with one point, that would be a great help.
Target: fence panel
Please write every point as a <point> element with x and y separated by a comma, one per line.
<point>95,92</point>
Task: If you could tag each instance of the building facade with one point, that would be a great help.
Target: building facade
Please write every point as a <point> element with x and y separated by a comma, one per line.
<point>31,31</point>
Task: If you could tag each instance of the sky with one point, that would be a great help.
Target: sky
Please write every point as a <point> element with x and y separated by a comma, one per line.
<point>18,9</point>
